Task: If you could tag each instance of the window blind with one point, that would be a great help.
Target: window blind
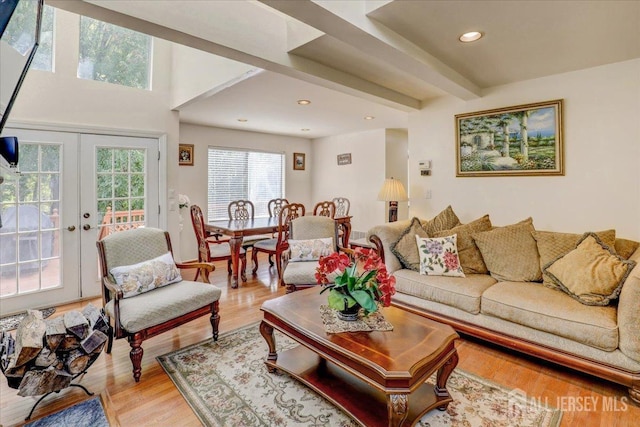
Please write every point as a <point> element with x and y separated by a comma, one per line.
<point>240,174</point>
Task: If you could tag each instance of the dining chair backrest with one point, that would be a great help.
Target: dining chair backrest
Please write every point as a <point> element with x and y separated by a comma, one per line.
<point>288,213</point>
<point>197,219</point>
<point>325,208</point>
<point>342,206</point>
<point>275,206</point>
<point>241,210</point>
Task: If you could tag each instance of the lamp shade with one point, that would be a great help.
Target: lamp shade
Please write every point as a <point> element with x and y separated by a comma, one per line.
<point>392,191</point>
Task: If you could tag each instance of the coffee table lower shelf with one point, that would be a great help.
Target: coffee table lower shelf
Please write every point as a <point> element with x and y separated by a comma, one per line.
<point>365,403</point>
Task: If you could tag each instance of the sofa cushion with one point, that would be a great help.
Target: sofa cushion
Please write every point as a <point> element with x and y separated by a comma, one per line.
<point>628,319</point>
<point>439,256</point>
<point>163,304</point>
<point>445,220</point>
<point>405,247</point>
<point>463,293</point>
<point>552,245</point>
<point>624,247</point>
<point>389,233</point>
<point>549,310</point>
<point>591,273</point>
<point>470,256</point>
<point>510,252</point>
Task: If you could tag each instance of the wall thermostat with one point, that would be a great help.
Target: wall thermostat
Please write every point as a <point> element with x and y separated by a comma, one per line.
<point>425,167</point>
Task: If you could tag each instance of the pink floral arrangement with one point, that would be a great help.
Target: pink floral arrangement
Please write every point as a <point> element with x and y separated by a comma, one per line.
<point>363,280</point>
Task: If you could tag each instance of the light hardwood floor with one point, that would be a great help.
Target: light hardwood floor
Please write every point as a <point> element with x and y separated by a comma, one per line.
<point>155,401</point>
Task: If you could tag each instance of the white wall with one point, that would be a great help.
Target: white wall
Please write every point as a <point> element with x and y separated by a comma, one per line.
<point>360,181</point>
<point>195,72</point>
<point>192,180</point>
<point>601,186</point>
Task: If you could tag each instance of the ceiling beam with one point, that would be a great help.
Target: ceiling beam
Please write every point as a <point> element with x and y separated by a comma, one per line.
<point>347,22</point>
<point>268,55</point>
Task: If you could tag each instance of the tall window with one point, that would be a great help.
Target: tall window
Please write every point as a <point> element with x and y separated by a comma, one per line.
<point>237,174</point>
<point>18,35</point>
<point>113,54</point>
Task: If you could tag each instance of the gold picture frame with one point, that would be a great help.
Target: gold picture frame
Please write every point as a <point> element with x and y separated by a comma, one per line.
<point>298,161</point>
<point>532,133</point>
<point>185,154</point>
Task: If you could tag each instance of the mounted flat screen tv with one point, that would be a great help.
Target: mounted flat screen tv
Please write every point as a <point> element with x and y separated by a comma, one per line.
<point>20,22</point>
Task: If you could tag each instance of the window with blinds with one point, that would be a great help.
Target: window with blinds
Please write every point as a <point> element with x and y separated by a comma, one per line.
<point>238,174</point>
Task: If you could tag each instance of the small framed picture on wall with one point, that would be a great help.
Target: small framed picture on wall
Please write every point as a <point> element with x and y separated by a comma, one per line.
<point>185,154</point>
<point>298,161</point>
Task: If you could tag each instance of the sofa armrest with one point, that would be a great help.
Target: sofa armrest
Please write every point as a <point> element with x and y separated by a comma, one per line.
<point>628,315</point>
<point>388,234</point>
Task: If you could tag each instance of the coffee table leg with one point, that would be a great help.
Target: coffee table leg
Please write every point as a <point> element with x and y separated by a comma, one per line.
<point>443,376</point>
<point>267,333</point>
<point>397,408</point>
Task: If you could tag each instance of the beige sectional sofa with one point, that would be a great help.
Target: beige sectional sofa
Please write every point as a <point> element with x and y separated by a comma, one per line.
<point>531,314</point>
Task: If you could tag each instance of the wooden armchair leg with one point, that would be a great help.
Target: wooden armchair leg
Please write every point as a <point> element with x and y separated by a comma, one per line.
<point>109,337</point>
<point>215,319</point>
<point>136,356</point>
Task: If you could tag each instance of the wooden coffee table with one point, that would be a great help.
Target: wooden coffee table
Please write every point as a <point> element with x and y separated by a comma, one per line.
<point>376,377</point>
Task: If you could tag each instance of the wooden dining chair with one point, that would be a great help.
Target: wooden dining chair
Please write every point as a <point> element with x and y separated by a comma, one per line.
<point>275,246</point>
<point>342,206</point>
<point>242,210</point>
<point>275,206</point>
<point>325,208</point>
<point>212,249</point>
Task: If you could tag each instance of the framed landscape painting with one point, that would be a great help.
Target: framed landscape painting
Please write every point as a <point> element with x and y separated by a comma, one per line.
<point>522,140</point>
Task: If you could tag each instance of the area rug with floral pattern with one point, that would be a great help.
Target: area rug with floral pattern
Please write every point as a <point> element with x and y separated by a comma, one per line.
<point>226,383</point>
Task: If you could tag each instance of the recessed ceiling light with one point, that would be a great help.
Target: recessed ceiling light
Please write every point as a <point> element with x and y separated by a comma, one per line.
<point>243,120</point>
<point>470,36</point>
<point>369,117</point>
<point>305,130</point>
<point>303,102</point>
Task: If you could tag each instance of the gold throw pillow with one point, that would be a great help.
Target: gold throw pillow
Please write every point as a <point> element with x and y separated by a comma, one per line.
<point>469,254</point>
<point>591,273</point>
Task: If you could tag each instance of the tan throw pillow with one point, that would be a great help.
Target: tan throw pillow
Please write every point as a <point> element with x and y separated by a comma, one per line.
<point>591,273</point>
<point>445,220</point>
<point>406,249</point>
<point>510,252</point>
<point>439,256</point>
<point>553,245</point>
<point>625,247</point>
<point>470,256</point>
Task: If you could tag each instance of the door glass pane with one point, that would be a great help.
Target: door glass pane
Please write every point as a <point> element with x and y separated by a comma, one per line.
<point>121,186</point>
<point>29,237</point>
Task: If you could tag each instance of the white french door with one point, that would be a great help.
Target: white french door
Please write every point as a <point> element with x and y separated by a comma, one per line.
<point>53,210</point>
<point>118,191</point>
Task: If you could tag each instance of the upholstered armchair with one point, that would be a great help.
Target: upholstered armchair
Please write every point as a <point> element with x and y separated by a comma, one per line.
<point>143,292</point>
<point>309,238</point>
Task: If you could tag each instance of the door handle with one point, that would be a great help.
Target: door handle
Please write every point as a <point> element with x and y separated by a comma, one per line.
<point>86,227</point>
<point>71,228</point>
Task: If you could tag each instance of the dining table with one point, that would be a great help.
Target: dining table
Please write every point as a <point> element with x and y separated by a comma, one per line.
<point>237,229</point>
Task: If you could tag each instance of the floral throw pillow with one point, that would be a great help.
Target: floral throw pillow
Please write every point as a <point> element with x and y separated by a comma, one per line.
<point>310,250</point>
<point>145,276</point>
<point>439,256</point>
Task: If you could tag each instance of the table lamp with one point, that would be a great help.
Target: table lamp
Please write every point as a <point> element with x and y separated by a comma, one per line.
<point>392,191</point>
